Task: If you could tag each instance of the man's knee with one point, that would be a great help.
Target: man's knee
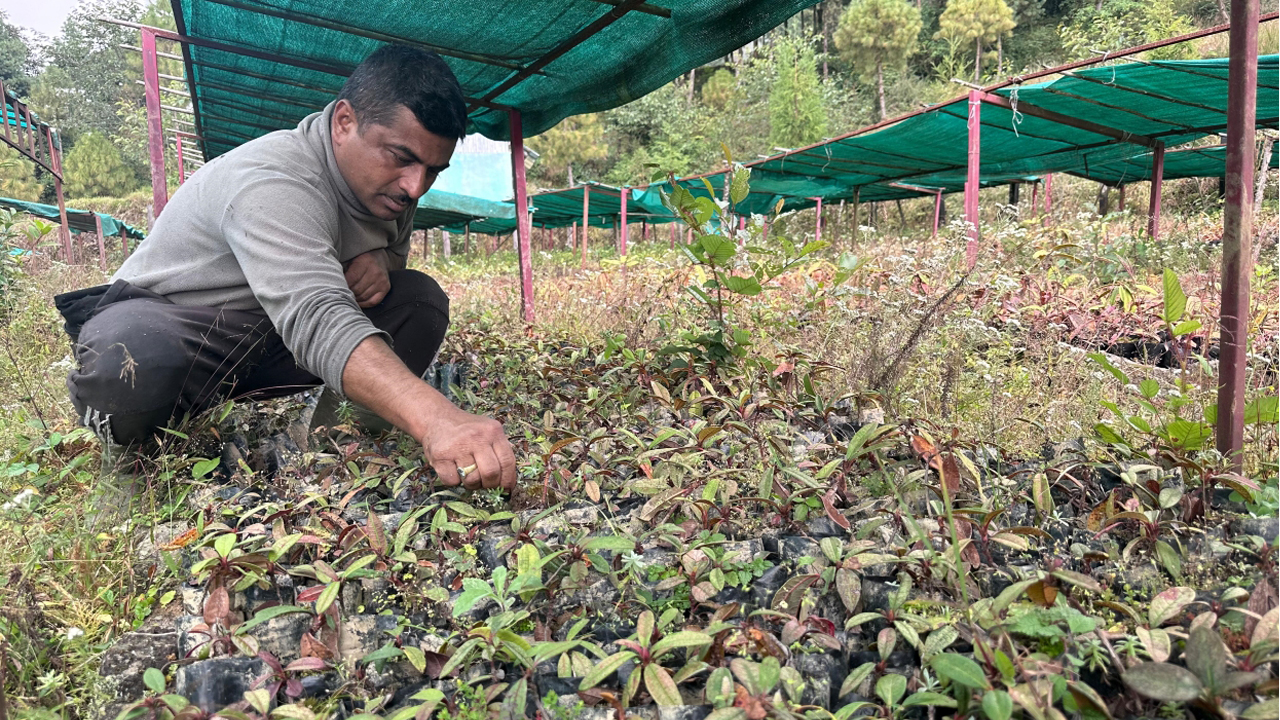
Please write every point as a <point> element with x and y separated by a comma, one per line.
<point>412,286</point>
<point>416,315</point>
<point>129,372</point>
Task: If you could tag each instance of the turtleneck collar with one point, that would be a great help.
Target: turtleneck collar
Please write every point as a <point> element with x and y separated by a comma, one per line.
<point>317,129</point>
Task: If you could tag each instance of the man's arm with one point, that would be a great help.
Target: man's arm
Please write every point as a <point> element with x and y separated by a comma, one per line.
<point>450,438</point>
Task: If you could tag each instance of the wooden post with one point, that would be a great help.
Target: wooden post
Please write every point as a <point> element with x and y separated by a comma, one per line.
<point>1237,230</point>
<point>817,222</point>
<point>155,127</point>
<point>1157,188</point>
<point>523,221</point>
<point>857,205</point>
<point>937,211</point>
<point>1035,198</point>
<point>466,240</point>
<point>672,225</point>
<point>1048,193</point>
<point>102,243</point>
<point>973,177</point>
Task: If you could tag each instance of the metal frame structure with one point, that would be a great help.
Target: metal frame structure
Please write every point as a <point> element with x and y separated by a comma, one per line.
<point>39,143</point>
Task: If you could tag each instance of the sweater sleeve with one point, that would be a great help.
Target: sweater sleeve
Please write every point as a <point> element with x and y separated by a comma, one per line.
<point>285,241</point>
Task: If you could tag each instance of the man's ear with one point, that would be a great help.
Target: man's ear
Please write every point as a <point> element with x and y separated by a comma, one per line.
<point>344,124</point>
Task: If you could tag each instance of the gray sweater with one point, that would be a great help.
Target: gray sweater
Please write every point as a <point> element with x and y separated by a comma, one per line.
<point>267,227</point>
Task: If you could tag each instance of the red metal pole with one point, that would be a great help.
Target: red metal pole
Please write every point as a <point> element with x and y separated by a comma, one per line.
<point>937,211</point>
<point>523,221</point>
<point>1237,229</point>
<point>182,176</point>
<point>1035,198</point>
<point>622,236</point>
<point>102,242</point>
<point>55,159</point>
<point>817,222</point>
<point>586,220</point>
<point>1157,188</point>
<point>644,230</point>
<point>155,128</point>
<point>971,183</point>
<point>1048,193</point>
<point>1121,202</point>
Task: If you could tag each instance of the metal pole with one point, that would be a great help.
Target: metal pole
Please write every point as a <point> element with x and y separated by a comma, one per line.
<point>523,221</point>
<point>586,217</point>
<point>1120,200</point>
<point>181,173</point>
<point>1237,229</point>
<point>1157,187</point>
<point>1048,193</point>
<point>1035,198</point>
<point>102,246</point>
<point>673,235</point>
<point>622,238</point>
<point>155,128</point>
<point>972,180</point>
<point>937,211</point>
<point>56,160</point>
<point>817,222</point>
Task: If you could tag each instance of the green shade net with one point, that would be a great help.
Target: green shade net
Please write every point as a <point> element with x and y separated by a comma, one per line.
<point>1172,101</point>
<point>485,42</point>
<point>79,220</point>
<point>439,208</point>
<point>1186,163</point>
<point>562,208</point>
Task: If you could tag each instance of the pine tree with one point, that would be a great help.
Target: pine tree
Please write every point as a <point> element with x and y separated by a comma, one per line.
<point>93,168</point>
<point>17,176</point>
<point>573,143</point>
<point>796,113</point>
<point>875,34</point>
<point>981,22</point>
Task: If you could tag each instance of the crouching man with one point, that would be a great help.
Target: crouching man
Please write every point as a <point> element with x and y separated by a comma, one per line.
<point>280,266</point>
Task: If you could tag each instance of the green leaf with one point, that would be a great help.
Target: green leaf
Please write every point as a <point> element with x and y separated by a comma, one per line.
<point>1175,301</point>
<point>224,544</point>
<point>959,669</point>
<point>1149,388</point>
<point>743,285</point>
<point>1206,656</point>
<point>1170,559</point>
<point>616,543</point>
<point>416,657</point>
<point>605,668</point>
<point>739,185</point>
<point>1265,710</point>
<point>1166,605</point>
<point>204,467</point>
<point>719,250</point>
<point>997,705</point>
<point>1164,682</point>
<point>890,688</point>
<point>1185,327</point>
<point>327,596</point>
<point>925,697</point>
<point>1106,365</point>
<point>276,611</point>
<point>1263,410</point>
<point>154,680</point>
<point>473,589</point>
<point>660,685</point>
<point>684,638</point>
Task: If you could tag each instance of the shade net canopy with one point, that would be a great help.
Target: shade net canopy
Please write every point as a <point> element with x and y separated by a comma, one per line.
<point>563,208</point>
<point>549,59</point>
<point>1174,102</point>
<point>1195,162</point>
<point>79,220</point>
<point>439,208</point>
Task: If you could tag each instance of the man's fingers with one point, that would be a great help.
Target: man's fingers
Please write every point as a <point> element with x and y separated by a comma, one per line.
<point>487,468</point>
<point>447,470</point>
<point>372,300</point>
<point>507,461</point>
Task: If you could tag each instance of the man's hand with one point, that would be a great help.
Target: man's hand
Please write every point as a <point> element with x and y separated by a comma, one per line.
<point>476,445</point>
<point>452,439</point>
<point>367,276</point>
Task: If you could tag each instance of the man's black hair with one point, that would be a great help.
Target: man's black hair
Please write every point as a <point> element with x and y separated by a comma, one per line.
<point>417,79</point>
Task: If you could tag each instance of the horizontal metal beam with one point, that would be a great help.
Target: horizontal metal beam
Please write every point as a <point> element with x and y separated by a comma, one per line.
<point>370,34</point>
<point>645,8</point>
<point>166,55</point>
<point>1057,117</point>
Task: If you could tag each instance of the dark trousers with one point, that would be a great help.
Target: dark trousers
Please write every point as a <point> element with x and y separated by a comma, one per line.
<point>144,362</point>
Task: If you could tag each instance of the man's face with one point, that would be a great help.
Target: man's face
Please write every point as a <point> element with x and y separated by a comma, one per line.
<point>390,166</point>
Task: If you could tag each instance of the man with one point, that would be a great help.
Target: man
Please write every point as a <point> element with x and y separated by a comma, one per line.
<point>280,265</point>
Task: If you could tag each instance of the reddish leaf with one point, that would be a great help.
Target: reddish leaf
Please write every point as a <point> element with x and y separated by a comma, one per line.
<point>949,473</point>
<point>1261,601</point>
<point>832,512</point>
<point>293,688</point>
<point>313,648</point>
<point>309,594</point>
<point>217,605</point>
<point>307,663</point>
<point>1042,594</point>
<point>925,449</point>
<point>377,533</point>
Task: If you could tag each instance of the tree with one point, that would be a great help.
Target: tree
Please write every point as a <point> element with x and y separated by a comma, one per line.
<point>15,58</point>
<point>17,176</point>
<point>981,22</point>
<point>874,34</point>
<point>1117,24</point>
<point>796,113</point>
<point>572,143</point>
<point>718,90</point>
<point>93,168</point>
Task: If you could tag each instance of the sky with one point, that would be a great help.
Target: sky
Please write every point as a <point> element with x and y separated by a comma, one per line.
<point>42,16</point>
